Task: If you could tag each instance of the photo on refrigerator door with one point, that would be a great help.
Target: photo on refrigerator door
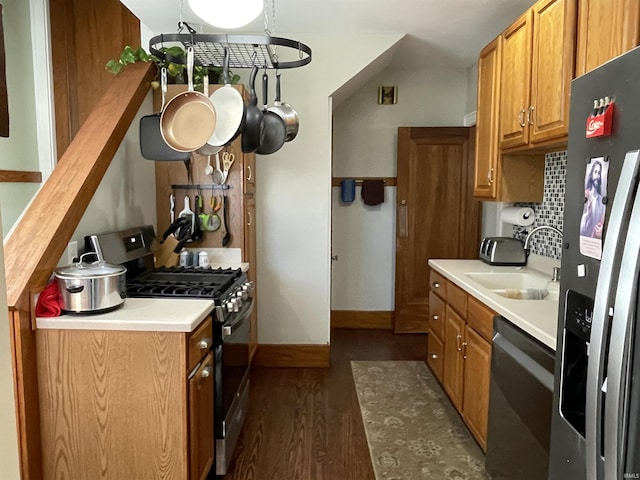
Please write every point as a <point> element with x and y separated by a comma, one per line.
<point>594,210</point>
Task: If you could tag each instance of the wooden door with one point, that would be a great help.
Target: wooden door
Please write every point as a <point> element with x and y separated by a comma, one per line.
<point>606,29</point>
<point>436,214</point>
<point>487,130</point>
<point>201,436</point>
<point>477,367</point>
<point>515,79</point>
<point>453,371</point>
<point>554,33</point>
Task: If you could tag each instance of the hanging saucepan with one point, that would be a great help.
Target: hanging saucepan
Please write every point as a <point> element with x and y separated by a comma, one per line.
<point>189,119</point>
<point>229,107</point>
<point>275,130</point>
<point>286,113</point>
<point>252,131</point>
<point>152,145</point>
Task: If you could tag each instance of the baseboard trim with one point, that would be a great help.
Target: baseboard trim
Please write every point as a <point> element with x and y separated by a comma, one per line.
<point>378,319</point>
<point>292,356</point>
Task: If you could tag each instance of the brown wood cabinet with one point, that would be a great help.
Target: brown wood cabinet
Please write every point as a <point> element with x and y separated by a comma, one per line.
<point>538,53</point>
<point>505,178</point>
<point>487,154</point>
<point>240,203</point>
<point>459,351</point>
<point>606,29</point>
<point>125,404</point>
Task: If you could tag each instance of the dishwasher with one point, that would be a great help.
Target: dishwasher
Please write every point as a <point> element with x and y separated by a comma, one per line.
<point>520,404</point>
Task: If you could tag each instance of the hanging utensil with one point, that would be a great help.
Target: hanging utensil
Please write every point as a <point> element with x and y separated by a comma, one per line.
<point>217,176</point>
<point>172,207</point>
<point>286,112</point>
<point>226,238</point>
<point>189,119</point>
<point>186,212</point>
<point>227,161</point>
<point>214,222</point>
<point>196,234</point>
<point>152,145</point>
<point>275,130</point>
<point>208,170</point>
<point>229,107</point>
<point>253,131</point>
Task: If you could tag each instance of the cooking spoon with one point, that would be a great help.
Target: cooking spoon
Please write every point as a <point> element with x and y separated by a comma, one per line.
<point>208,170</point>
<point>217,174</point>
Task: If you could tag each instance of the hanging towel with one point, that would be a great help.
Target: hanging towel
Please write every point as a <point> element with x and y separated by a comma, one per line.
<point>348,191</point>
<point>373,191</point>
<point>49,301</point>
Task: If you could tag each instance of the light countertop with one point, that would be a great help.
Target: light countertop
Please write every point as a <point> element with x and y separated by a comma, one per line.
<point>146,314</point>
<point>139,314</point>
<point>539,318</point>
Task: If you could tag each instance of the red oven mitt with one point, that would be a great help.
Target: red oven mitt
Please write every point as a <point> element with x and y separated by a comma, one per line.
<point>48,304</point>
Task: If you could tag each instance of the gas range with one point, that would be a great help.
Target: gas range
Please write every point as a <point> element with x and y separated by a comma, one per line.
<point>185,282</point>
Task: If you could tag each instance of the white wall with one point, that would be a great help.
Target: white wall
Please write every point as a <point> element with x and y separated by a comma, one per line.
<point>365,145</point>
<point>20,150</point>
<point>294,195</point>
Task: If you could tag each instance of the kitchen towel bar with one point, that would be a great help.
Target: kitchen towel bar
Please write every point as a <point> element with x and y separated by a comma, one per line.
<point>388,181</point>
<point>200,187</point>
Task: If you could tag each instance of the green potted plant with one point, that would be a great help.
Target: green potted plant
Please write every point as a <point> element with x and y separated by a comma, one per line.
<point>176,71</point>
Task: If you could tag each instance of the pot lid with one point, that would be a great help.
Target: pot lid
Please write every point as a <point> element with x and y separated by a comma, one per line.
<point>84,270</point>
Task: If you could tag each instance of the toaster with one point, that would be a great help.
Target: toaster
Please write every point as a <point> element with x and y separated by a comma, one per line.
<point>504,251</point>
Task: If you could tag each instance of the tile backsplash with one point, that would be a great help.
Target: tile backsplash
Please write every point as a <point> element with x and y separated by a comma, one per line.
<point>550,211</point>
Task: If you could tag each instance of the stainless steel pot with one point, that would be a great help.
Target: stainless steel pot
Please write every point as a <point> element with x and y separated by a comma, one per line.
<point>91,287</point>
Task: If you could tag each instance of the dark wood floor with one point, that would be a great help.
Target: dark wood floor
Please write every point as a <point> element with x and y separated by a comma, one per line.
<point>305,423</point>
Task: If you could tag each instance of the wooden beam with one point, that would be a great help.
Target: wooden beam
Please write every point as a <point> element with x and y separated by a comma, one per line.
<point>20,176</point>
<point>59,205</point>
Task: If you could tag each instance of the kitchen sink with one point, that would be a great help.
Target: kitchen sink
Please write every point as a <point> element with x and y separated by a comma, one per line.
<point>515,284</point>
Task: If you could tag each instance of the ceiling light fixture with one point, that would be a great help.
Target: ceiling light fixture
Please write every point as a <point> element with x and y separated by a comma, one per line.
<point>227,14</point>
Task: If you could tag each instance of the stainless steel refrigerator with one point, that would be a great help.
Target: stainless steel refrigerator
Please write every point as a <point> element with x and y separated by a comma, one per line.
<point>596,410</point>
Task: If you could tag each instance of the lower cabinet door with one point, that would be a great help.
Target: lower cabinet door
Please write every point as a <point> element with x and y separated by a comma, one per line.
<point>201,435</point>
<point>435,355</point>
<point>453,361</point>
<point>477,371</point>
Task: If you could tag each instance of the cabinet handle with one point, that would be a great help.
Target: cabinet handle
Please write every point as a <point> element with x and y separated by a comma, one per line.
<point>464,350</point>
<point>521,118</point>
<point>490,175</point>
<point>436,317</point>
<point>530,115</point>
<point>204,344</point>
<point>250,221</point>
<point>459,342</point>
<point>434,356</point>
<point>206,372</point>
<point>435,285</point>
<point>250,175</point>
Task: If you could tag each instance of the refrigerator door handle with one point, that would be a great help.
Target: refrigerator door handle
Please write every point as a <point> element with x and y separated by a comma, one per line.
<point>600,324</point>
<point>622,332</point>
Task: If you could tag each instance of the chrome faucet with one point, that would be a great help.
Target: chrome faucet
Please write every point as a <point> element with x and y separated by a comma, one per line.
<point>536,230</point>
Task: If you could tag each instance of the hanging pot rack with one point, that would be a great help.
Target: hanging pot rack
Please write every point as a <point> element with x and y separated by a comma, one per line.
<point>245,51</point>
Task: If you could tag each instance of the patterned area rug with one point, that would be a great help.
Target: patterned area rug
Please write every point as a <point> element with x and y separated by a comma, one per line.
<point>412,429</point>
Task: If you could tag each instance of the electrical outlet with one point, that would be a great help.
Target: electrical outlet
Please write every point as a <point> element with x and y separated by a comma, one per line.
<point>72,251</point>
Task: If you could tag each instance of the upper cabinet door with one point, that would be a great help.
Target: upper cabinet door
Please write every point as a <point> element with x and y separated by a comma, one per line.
<point>516,75</point>
<point>606,29</point>
<point>488,108</point>
<point>554,33</point>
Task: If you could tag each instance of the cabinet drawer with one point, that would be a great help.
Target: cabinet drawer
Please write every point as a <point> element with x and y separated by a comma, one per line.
<point>199,343</point>
<point>438,284</point>
<point>436,315</point>
<point>457,299</point>
<point>480,318</point>
<point>435,356</point>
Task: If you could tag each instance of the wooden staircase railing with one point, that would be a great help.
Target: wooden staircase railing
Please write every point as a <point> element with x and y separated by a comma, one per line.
<point>41,236</point>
